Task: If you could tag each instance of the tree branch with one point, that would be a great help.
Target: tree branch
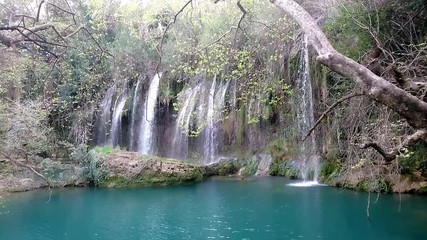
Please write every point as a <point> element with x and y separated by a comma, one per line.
<point>69,12</point>
<point>38,11</point>
<point>377,88</point>
<point>160,45</point>
<point>242,9</point>
<point>393,153</point>
<point>330,108</point>
<point>8,157</point>
<point>244,12</point>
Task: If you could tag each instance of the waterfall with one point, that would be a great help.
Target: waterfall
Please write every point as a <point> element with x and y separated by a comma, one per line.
<point>148,116</point>
<point>209,147</point>
<point>116,121</point>
<point>133,123</point>
<point>179,148</point>
<point>201,107</point>
<point>213,115</point>
<point>104,118</point>
<point>308,159</point>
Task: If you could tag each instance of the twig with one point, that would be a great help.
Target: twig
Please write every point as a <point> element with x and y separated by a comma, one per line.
<point>160,45</point>
<point>324,114</point>
<point>243,10</point>
<point>38,12</point>
<point>27,166</point>
<point>392,154</point>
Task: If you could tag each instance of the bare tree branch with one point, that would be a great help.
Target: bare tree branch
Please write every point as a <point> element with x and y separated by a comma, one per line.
<point>244,12</point>
<point>393,153</point>
<point>242,9</point>
<point>330,108</point>
<point>160,45</point>
<point>38,11</point>
<point>69,12</point>
<point>8,157</point>
<point>26,34</point>
<point>377,88</point>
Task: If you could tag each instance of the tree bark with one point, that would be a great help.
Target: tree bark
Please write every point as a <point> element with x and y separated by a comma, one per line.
<point>377,88</point>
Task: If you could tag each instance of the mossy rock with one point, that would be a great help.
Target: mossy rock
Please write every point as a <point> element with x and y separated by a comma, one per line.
<point>284,168</point>
<point>150,178</point>
<point>374,185</point>
<point>129,169</point>
<point>222,168</point>
<point>329,171</point>
<point>250,167</point>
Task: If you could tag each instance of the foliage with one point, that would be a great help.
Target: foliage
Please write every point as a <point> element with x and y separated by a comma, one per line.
<point>92,165</point>
<point>250,167</point>
<point>104,151</point>
<point>25,129</point>
<point>281,167</point>
<point>379,185</point>
<point>329,171</point>
<point>414,159</point>
<point>346,35</point>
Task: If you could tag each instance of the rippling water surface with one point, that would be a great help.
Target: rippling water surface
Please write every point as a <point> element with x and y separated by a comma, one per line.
<point>259,208</point>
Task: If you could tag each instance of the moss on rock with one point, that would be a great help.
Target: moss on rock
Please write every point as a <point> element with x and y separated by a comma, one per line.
<point>284,168</point>
<point>224,167</point>
<point>129,169</point>
<point>329,172</point>
<point>150,178</point>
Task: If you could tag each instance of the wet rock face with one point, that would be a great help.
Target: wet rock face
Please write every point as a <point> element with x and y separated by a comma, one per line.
<point>224,167</point>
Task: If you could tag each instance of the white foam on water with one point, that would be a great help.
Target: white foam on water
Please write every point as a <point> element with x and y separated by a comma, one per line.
<point>305,184</point>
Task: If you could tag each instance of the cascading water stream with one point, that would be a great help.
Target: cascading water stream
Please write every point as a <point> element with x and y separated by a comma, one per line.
<point>308,159</point>
<point>182,125</point>
<point>209,147</point>
<point>103,121</point>
<point>201,109</point>
<point>146,133</point>
<point>116,121</point>
<point>132,129</point>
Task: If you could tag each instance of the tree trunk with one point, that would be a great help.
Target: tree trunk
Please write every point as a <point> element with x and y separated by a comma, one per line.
<point>377,88</point>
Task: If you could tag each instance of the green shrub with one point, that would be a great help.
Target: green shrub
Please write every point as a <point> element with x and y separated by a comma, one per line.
<point>374,185</point>
<point>250,167</point>
<point>348,37</point>
<point>92,167</point>
<point>284,168</point>
<point>329,170</point>
<point>105,150</point>
<point>414,159</point>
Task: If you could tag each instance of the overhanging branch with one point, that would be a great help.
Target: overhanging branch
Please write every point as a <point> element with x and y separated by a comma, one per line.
<point>377,88</point>
<point>330,108</point>
<point>160,45</point>
<point>393,153</point>
<point>244,12</point>
<point>32,169</point>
